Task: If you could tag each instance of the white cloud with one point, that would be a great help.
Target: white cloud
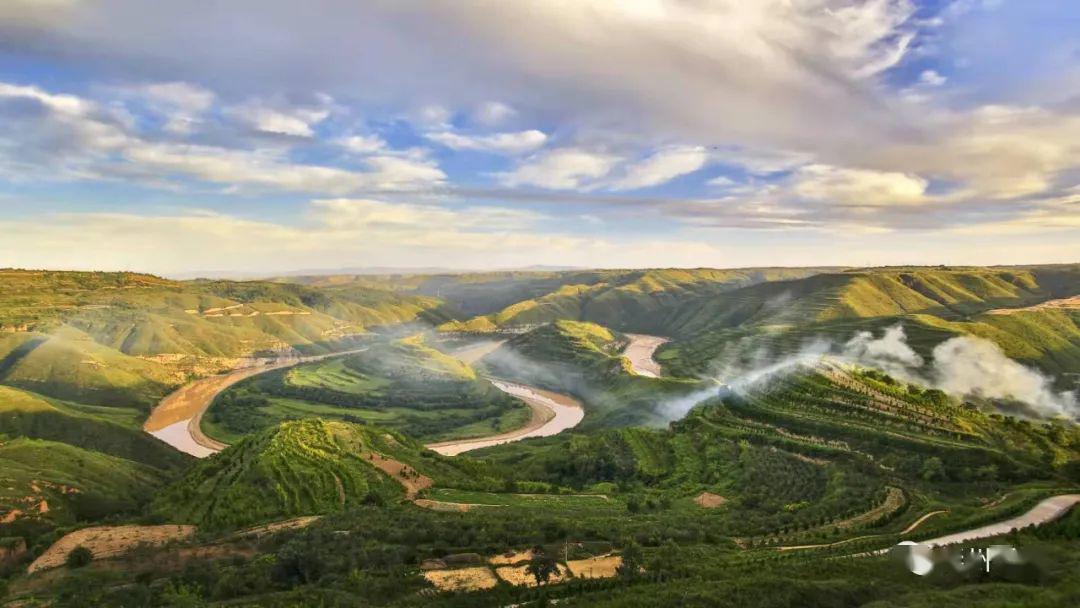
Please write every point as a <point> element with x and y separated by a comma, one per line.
<point>511,143</point>
<point>701,70</point>
<point>492,113</point>
<point>661,167</point>
<point>181,103</point>
<point>85,141</point>
<point>363,144</point>
<point>858,187</point>
<point>560,169</point>
<point>297,122</point>
<point>931,78</point>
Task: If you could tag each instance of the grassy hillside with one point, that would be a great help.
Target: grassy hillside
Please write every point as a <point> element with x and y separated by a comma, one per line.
<point>303,467</point>
<point>625,300</point>
<point>404,385</point>
<point>934,303</point>
<point>68,364</point>
<point>145,315</point>
<point>45,483</point>
<point>81,462</point>
<point>24,414</point>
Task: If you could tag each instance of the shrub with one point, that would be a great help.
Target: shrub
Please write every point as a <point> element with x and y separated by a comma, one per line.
<point>80,556</point>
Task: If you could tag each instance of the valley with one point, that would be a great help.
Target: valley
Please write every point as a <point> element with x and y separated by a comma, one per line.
<point>393,442</point>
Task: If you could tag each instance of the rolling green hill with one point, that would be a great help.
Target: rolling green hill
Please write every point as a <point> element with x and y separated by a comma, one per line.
<point>81,462</point>
<point>403,385</point>
<point>820,445</point>
<point>625,300</point>
<point>304,467</point>
<point>47,483</point>
<point>934,303</point>
<point>145,315</point>
<point>68,364</point>
<point>24,414</point>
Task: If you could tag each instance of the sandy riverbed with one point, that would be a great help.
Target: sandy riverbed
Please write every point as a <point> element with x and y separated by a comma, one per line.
<point>552,413</point>
<point>640,352</point>
<point>176,419</point>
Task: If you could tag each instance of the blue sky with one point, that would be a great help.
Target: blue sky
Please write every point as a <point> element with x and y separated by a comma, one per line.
<point>262,136</point>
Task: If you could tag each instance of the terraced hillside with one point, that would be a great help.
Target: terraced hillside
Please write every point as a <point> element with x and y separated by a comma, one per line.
<point>806,457</point>
<point>933,303</point>
<point>304,467</point>
<point>403,385</point>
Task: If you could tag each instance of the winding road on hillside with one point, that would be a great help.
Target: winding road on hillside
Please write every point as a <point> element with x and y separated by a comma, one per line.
<point>640,350</point>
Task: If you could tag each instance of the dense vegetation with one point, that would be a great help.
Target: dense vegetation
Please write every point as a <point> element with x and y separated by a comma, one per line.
<point>696,486</point>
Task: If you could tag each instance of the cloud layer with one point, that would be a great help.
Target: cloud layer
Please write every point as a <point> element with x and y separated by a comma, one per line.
<point>701,121</point>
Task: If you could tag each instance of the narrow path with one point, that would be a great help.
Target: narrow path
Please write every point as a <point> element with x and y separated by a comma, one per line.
<point>640,350</point>
<point>176,419</point>
<point>918,522</point>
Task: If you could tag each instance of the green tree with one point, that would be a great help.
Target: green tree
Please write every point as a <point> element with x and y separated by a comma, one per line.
<point>933,469</point>
<point>632,560</point>
<point>666,558</point>
<point>79,557</point>
<point>541,566</point>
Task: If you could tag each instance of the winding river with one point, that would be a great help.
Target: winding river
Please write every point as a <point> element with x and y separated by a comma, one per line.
<point>176,420</point>
<point>640,350</point>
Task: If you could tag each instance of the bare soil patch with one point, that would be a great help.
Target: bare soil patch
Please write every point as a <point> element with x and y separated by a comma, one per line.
<point>709,500</point>
<point>108,541</point>
<point>1062,303</point>
<point>511,558</point>
<point>601,566</point>
<point>517,575</point>
<point>408,477</point>
<point>462,579</point>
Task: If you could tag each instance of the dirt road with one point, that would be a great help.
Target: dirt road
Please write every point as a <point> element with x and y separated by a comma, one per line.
<point>640,351</point>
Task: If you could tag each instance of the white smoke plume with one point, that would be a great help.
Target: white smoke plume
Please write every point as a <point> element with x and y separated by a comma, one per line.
<point>962,366</point>
<point>973,366</point>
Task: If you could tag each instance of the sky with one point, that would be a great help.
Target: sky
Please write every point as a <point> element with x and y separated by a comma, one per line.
<point>262,136</point>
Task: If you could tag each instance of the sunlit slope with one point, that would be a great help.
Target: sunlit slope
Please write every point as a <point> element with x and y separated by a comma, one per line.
<point>48,482</point>
<point>622,299</point>
<point>934,303</point>
<point>145,315</point>
<point>68,364</point>
<point>63,461</point>
<point>304,467</point>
